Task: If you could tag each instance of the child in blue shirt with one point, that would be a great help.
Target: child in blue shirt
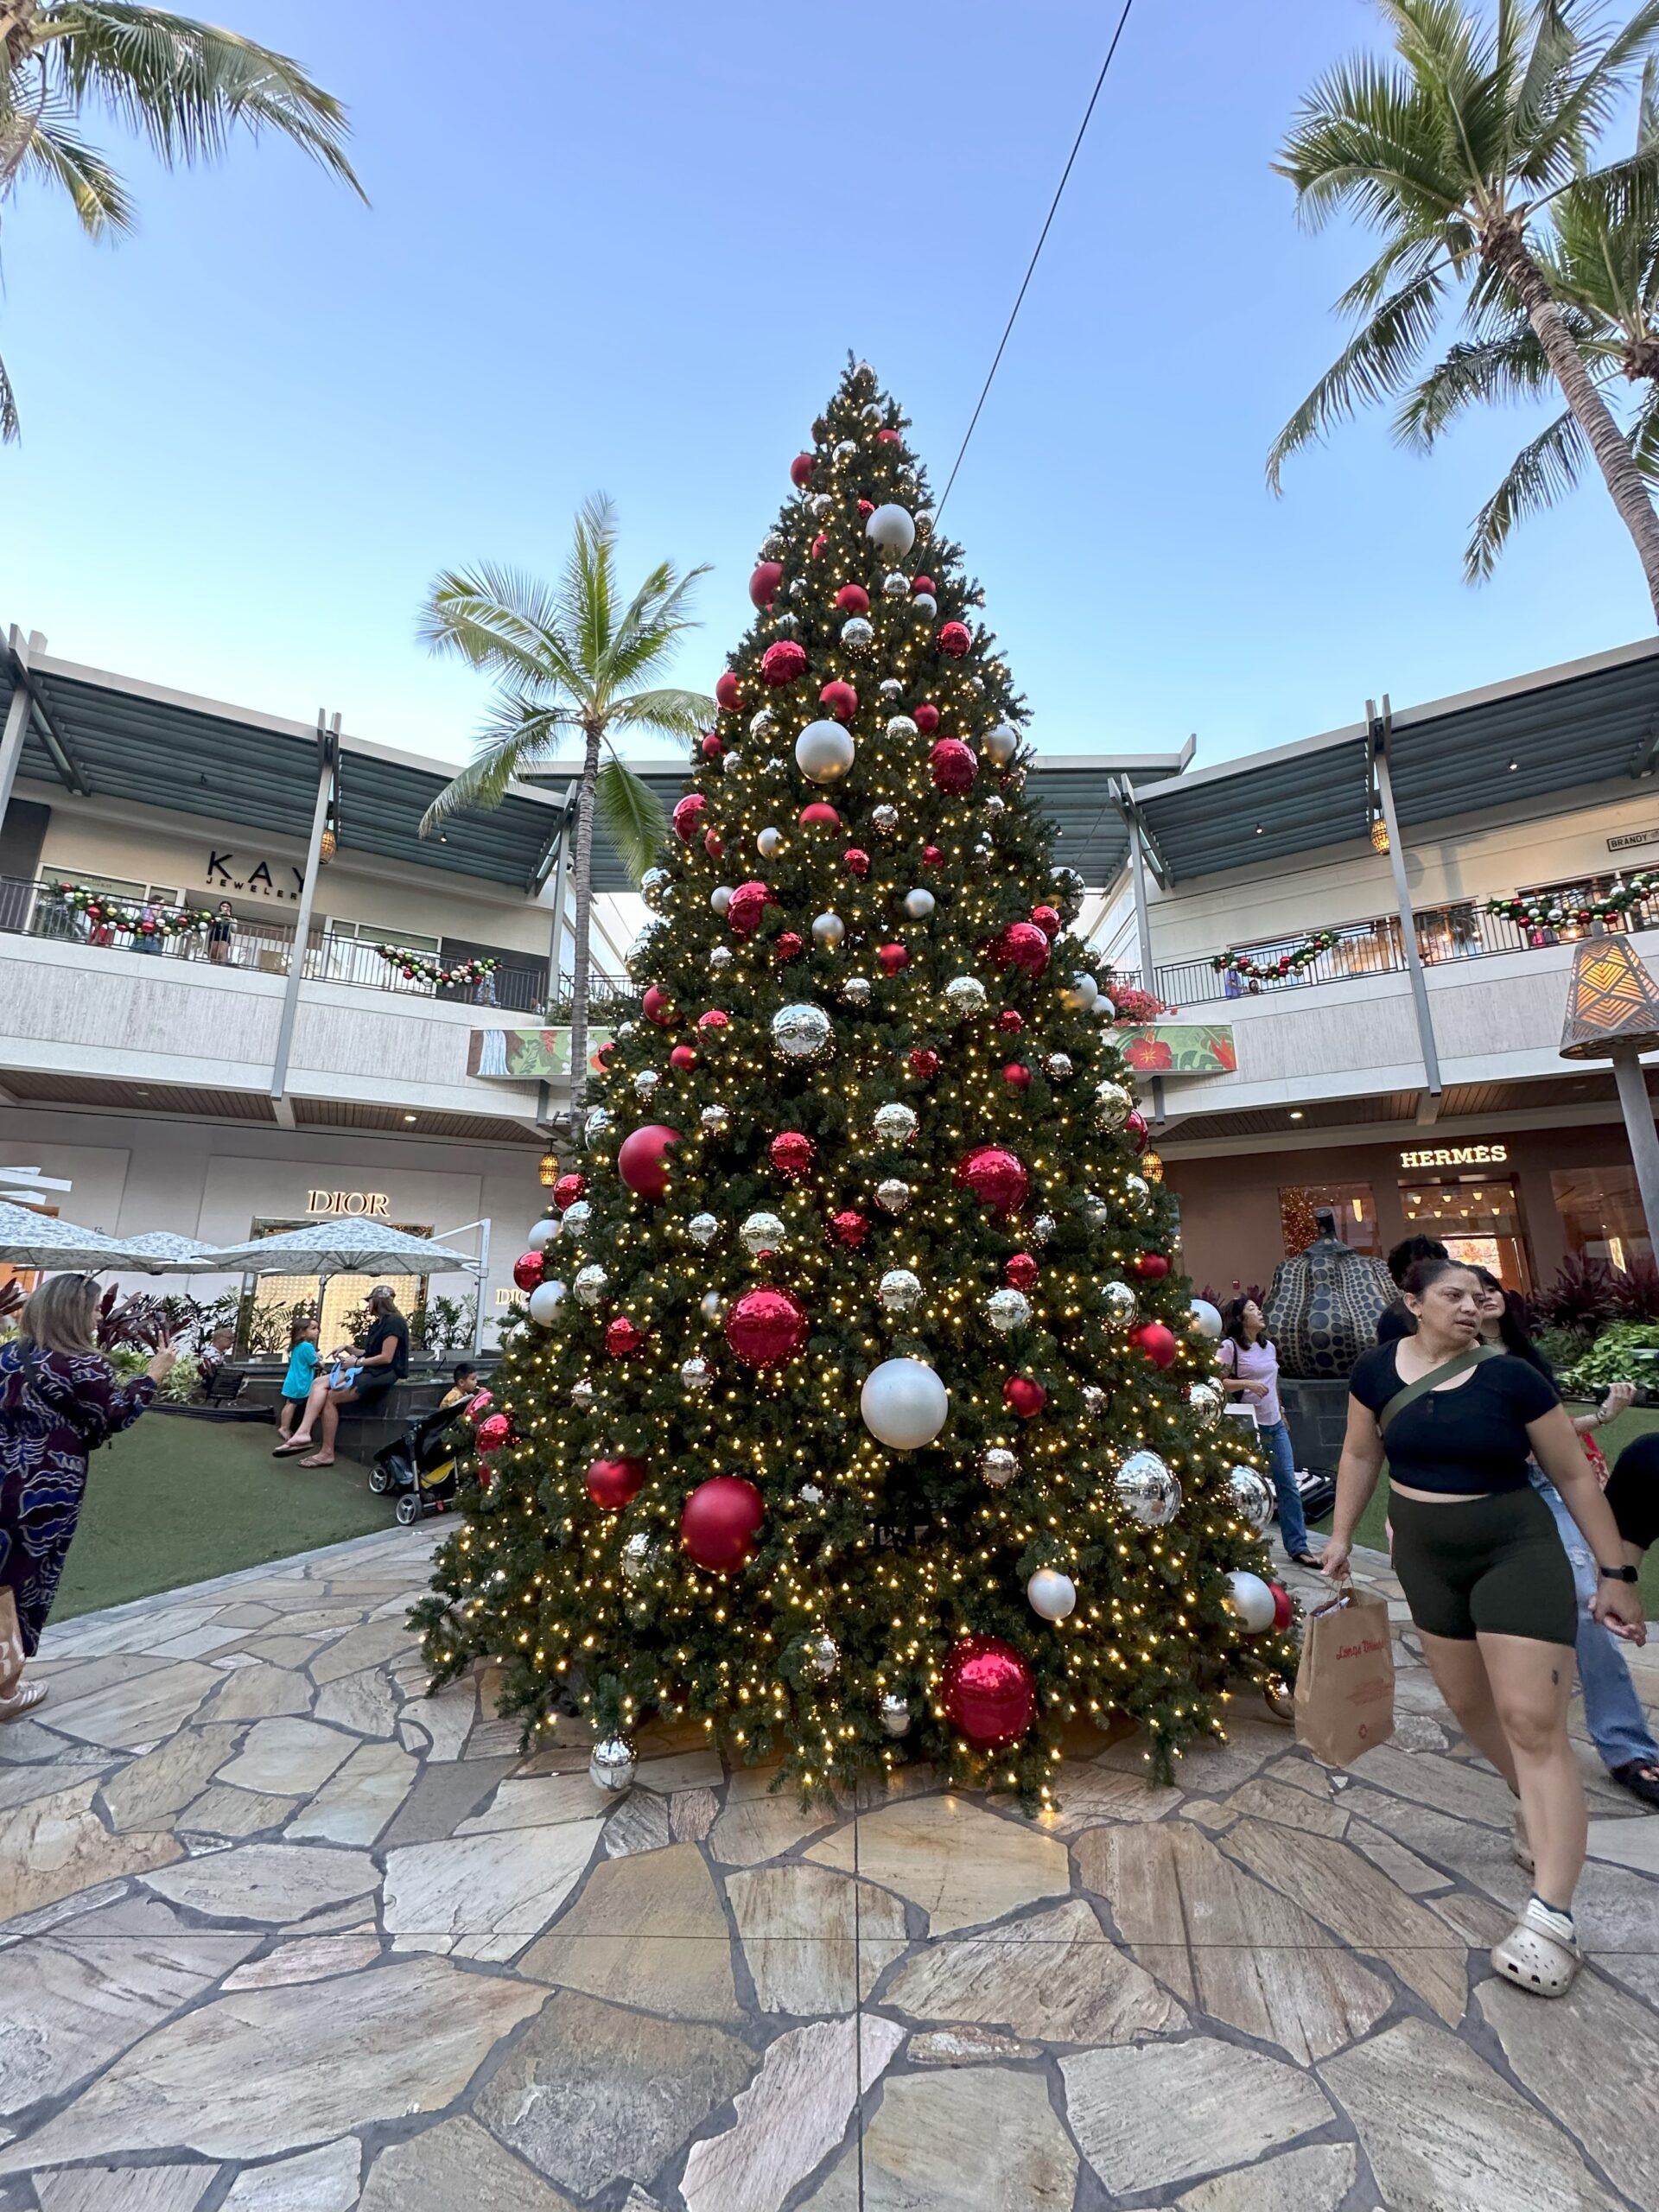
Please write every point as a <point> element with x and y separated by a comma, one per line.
<point>302,1373</point>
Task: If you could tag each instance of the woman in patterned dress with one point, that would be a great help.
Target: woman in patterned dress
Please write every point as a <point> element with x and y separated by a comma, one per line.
<point>59,1399</point>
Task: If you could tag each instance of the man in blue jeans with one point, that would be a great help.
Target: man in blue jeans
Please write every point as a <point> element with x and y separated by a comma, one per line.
<point>1612,1712</point>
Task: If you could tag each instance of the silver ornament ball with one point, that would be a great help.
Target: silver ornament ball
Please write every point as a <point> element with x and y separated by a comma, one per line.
<point>1113,1105</point>
<point>760,1232</point>
<point>896,584</point>
<point>823,1656</point>
<point>611,1768</point>
<point>998,1466</point>
<point>856,990</point>
<point>890,687</point>
<point>892,1195</point>
<point>637,1557</point>
<point>714,1120</point>
<point>965,994</point>
<point>1252,1500</point>
<point>1207,1402</point>
<point>769,843</point>
<point>697,1375</point>
<point>900,727</point>
<point>763,721</point>
<point>575,1219</point>
<point>711,1305</point>
<point>800,1032</point>
<point>899,1291</point>
<point>653,883</point>
<point>884,819</point>
<point>645,1082</point>
<point>1057,1066</point>
<point>581,1394</point>
<point>721,957</point>
<point>702,1229</point>
<point>895,1124</point>
<point>1008,1310</point>
<point>1042,1228</point>
<point>1121,1306</point>
<point>857,633</point>
<point>926,605</point>
<point>1147,1489</point>
<point>596,1124</point>
<point>590,1284</point>
<point>895,1715</point>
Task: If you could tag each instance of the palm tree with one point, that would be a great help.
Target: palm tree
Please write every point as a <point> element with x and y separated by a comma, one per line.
<point>1600,259</point>
<point>1453,151</point>
<point>185,86</point>
<point>570,658</point>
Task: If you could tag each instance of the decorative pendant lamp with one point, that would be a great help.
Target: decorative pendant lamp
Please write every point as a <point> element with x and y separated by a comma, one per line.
<point>1612,1014</point>
<point>547,1170</point>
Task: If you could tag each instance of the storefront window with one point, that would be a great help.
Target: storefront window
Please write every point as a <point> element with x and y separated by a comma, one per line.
<point>1351,1205</point>
<point>1601,1213</point>
<point>1476,1219</point>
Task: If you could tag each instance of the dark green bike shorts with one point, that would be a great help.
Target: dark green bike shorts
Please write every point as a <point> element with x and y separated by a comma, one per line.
<point>1491,1565</point>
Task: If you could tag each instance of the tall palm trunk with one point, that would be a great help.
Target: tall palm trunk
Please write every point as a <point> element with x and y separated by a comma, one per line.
<point>1602,433</point>
<point>593,731</point>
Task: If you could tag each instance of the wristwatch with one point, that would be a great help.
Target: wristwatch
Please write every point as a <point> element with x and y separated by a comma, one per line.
<point>1619,1574</point>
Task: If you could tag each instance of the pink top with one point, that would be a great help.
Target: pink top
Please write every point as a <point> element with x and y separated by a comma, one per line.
<point>1256,1363</point>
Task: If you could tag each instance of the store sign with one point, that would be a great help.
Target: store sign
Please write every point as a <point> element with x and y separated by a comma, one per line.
<point>226,872</point>
<point>1633,837</point>
<point>1458,1155</point>
<point>377,1204</point>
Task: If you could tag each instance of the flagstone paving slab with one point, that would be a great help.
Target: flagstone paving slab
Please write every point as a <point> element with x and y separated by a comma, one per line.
<point>323,2180</point>
<point>360,1798</point>
<point>310,1958</point>
<point>488,1892</point>
<point>1582,2055</point>
<point>55,1846</point>
<point>442,1798</point>
<point>237,1813</point>
<point>790,2116</point>
<point>269,1882</point>
<point>128,1714</point>
<point>260,1692</point>
<point>365,1646</point>
<point>1316,2179</point>
<point>149,1791</point>
<point>804,1929</point>
<point>539,1801</point>
<point>648,1931</point>
<point>1154,2114</point>
<point>1055,1976</point>
<point>639,1823</point>
<point>964,1867</point>
<point>457,2166</point>
<point>125,2188</point>
<point>984,2136</point>
<point>366,1703</point>
<point>288,1758</point>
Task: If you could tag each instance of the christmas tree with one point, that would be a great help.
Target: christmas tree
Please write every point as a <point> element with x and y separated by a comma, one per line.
<point>856,1410</point>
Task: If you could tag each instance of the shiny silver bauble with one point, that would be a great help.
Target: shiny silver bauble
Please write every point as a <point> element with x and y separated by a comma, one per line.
<point>1147,1489</point>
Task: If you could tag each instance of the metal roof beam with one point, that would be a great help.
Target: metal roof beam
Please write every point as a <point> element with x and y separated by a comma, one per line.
<point>70,773</point>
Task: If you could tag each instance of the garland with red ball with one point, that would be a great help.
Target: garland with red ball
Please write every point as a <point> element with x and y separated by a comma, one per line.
<point>419,967</point>
<point>103,912</point>
<point>1274,971</point>
<point>1550,913</point>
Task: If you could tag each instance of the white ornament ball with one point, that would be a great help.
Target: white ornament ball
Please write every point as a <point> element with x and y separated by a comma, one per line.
<point>891,1194</point>
<point>857,633</point>
<point>828,930</point>
<point>1252,1499</point>
<point>697,1375</point>
<point>1052,1594</point>
<point>800,1032</point>
<point>1147,1491</point>
<point>1249,1596</point>
<point>919,903</point>
<point>926,605</point>
<point>904,1404</point>
<point>1000,744</point>
<point>545,1300</point>
<point>895,1123</point>
<point>542,1234</point>
<point>702,1229</point>
<point>823,752</point>
<point>1008,1310</point>
<point>892,528</point>
<point>1103,1010</point>
<point>590,1284</point>
<point>899,1291</point>
<point>895,1715</point>
<point>760,1232</point>
<point>1205,1321</point>
<point>1113,1105</point>
<point>711,1305</point>
<point>769,844</point>
<point>721,898</point>
<point>610,1767</point>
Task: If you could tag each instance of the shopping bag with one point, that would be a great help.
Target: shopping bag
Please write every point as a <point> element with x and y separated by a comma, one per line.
<point>1344,1684</point>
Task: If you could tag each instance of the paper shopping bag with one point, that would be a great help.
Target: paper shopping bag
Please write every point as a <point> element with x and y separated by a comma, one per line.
<point>1344,1684</point>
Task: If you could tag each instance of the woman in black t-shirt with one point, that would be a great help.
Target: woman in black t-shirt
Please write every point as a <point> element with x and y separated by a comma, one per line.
<point>382,1361</point>
<point>1488,1585</point>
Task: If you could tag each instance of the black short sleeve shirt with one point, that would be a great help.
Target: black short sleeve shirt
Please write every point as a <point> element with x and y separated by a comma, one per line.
<point>395,1327</point>
<point>1469,1438</point>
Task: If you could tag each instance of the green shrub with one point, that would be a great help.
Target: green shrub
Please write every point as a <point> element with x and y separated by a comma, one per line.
<point>1610,1358</point>
<point>1564,1348</point>
<point>130,1361</point>
<point>183,1380</point>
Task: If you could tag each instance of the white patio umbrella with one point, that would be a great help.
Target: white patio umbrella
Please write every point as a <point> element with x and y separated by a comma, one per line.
<point>349,1246</point>
<point>171,1254</point>
<point>28,1239</point>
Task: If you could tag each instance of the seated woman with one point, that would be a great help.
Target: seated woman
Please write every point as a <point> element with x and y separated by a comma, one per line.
<point>383,1362</point>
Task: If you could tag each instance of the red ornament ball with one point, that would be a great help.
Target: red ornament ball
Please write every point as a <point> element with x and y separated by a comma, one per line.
<point>820,815</point>
<point>623,1336</point>
<point>613,1483</point>
<point>840,699</point>
<point>1283,1611</point>
<point>788,946</point>
<point>1156,1341</point>
<point>849,1227</point>
<point>682,1060</point>
<point>887,437</point>
<point>717,1018</point>
<point>1023,1396</point>
<point>528,1270</point>
<point>925,1062</point>
<point>995,1176</point>
<point>866,506</point>
<point>954,765</point>
<point>492,1432</point>
<point>657,1007</point>
<point>477,1407</point>
<point>801,468</point>
<point>568,1190</point>
<point>1020,1271</point>
<point>1134,1129</point>
<point>713,843</point>
<point>720,1522</point>
<point>1011,1022</point>
<point>766,1326</point>
<point>748,907</point>
<point>989,1692</point>
<point>642,1160</point>
<point>783,663</point>
<point>763,584</point>
<point>1150,1267</point>
<point>923,584</point>
<point>687,815</point>
<point>856,860</point>
<point>932,857</point>
<point>791,1152</point>
<point>925,717</point>
<point>1047,920</point>
<point>711,745</point>
<point>1022,946</point>
<point>818,544</point>
<point>1016,1077</point>
<point>953,639</point>
<point>853,599</point>
<point>728,691</point>
<point>893,957</point>
<point>602,1053</point>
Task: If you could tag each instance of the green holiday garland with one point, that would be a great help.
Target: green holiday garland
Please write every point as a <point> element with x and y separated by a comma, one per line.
<point>1550,913</point>
<point>1271,971</point>
<point>102,911</point>
<point>419,967</point>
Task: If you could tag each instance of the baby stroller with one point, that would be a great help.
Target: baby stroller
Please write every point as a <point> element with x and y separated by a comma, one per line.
<point>419,1468</point>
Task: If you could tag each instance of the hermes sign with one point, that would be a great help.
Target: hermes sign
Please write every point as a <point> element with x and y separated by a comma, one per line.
<point>1458,1155</point>
<point>377,1204</point>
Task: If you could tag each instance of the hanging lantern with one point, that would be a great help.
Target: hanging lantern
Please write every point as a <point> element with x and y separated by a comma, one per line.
<point>547,1170</point>
<point>1379,835</point>
<point>327,846</point>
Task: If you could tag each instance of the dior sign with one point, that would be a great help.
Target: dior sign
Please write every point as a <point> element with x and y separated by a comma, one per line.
<point>377,1204</point>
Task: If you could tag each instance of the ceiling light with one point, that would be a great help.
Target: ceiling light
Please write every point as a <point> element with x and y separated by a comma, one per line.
<point>1295,1113</point>
<point>409,1117</point>
<point>1513,764</point>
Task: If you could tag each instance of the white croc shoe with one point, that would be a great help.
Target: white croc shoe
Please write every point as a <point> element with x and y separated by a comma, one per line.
<point>1541,1952</point>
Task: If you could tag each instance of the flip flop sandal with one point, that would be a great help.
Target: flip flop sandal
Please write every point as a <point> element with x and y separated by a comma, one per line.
<point>287,1450</point>
<point>21,1701</point>
<point>1541,1952</point>
<point>1640,1778</point>
<point>1304,1558</point>
<point>1522,1848</point>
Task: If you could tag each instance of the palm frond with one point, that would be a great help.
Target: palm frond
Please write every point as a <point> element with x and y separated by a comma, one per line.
<point>503,621</point>
<point>673,713</point>
<point>634,817</point>
<point>1600,90</point>
<point>1366,140</point>
<point>1644,436</point>
<point>1541,474</point>
<point>588,587</point>
<point>9,427</point>
<point>1375,363</point>
<point>519,733</point>
<point>52,152</point>
<point>1492,372</point>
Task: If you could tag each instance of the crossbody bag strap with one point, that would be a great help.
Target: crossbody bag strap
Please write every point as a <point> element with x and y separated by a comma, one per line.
<point>1477,1356</point>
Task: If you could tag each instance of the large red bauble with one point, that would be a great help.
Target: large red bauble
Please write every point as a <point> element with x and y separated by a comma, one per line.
<point>1283,1611</point>
<point>613,1483</point>
<point>568,1190</point>
<point>713,843</point>
<point>682,1060</point>
<point>720,1522</point>
<point>995,1176</point>
<point>887,437</point>
<point>1011,1022</point>
<point>1021,945</point>
<point>763,584</point>
<point>866,506</point>
<point>1047,920</point>
<point>791,1152</point>
<point>783,663</point>
<point>932,857</point>
<point>623,1336</point>
<point>766,1326</point>
<point>856,862</point>
<point>1019,1271</point>
<point>657,1007</point>
<point>748,907</point>
<point>820,815</point>
<point>853,599</point>
<point>953,639</point>
<point>801,468</point>
<point>686,816</point>
<point>1134,1129</point>
<point>818,544</point>
<point>925,1062</point>
<point>849,1227</point>
<point>602,1054</point>
<point>492,1432</point>
<point>479,1405</point>
<point>642,1160</point>
<point>1016,1077</point>
<point>923,584</point>
<point>1023,1396</point>
<point>989,1692</point>
<point>1156,1341</point>
<point>786,945</point>
<point>528,1270</point>
<point>717,1018</point>
<point>710,745</point>
<point>954,765</point>
<point>839,699</point>
<point>727,690</point>
<point>1151,1267</point>
<point>925,717</point>
<point>893,957</point>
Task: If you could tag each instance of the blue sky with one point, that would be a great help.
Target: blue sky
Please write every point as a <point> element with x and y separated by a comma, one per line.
<point>629,248</point>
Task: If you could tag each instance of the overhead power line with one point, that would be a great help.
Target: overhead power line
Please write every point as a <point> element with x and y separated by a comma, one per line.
<point>1059,191</point>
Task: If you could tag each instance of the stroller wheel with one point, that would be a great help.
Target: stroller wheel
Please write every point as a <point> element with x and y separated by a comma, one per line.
<point>379,1481</point>
<point>409,1509</point>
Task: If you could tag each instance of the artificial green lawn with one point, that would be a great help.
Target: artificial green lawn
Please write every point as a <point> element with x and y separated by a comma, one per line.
<point>174,1501</point>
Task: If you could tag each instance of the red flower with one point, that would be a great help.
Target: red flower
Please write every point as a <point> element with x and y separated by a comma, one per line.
<point>1226,1056</point>
<point>1149,1053</point>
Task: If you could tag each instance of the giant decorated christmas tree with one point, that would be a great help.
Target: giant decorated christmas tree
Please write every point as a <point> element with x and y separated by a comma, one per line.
<point>857,1413</point>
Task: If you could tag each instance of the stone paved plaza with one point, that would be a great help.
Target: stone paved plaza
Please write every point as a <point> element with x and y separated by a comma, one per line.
<point>280,1934</point>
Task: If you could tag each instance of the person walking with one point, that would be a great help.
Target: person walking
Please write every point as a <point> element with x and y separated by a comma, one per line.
<point>384,1361</point>
<point>1483,1572</point>
<point>1249,1371</point>
<point>1394,1322</point>
<point>59,1399</point>
<point>302,1373</point>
